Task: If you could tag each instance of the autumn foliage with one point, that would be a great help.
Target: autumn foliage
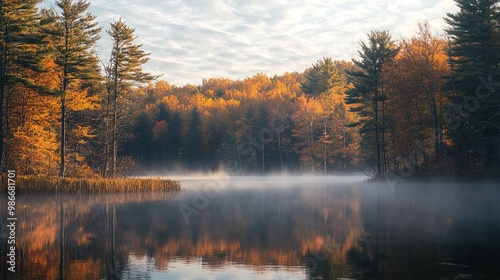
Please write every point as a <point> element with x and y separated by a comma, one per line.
<point>61,115</point>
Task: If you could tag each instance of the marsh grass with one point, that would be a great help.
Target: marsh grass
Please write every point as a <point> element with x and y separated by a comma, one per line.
<point>40,184</point>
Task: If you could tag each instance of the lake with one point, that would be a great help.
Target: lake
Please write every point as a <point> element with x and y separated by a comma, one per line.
<point>273,227</point>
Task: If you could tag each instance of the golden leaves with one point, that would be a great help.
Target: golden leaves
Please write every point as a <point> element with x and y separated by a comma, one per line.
<point>79,100</point>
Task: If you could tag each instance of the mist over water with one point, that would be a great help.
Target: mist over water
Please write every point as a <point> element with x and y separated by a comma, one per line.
<point>223,179</point>
<point>266,227</point>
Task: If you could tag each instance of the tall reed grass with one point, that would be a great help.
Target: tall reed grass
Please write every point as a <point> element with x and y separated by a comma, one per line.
<point>40,184</point>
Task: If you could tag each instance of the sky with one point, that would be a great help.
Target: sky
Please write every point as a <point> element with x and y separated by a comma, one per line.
<point>192,40</point>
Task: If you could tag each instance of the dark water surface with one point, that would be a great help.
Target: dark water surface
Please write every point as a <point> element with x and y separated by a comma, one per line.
<point>261,228</point>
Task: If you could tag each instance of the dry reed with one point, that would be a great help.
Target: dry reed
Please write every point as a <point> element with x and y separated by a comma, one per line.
<point>40,184</point>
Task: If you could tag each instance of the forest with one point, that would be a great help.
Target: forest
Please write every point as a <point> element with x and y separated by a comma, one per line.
<point>426,105</point>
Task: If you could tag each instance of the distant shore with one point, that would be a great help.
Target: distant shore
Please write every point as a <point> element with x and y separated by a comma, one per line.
<point>397,177</point>
<point>41,184</point>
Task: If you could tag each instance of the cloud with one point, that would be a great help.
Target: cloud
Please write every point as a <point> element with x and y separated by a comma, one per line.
<point>190,40</point>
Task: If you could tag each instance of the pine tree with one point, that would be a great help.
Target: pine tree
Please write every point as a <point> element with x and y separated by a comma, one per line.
<point>322,78</point>
<point>20,45</point>
<point>142,144</point>
<point>162,119</point>
<point>263,137</point>
<point>474,58</point>
<point>368,92</point>
<point>193,140</point>
<point>126,69</point>
<point>175,139</point>
<point>74,34</point>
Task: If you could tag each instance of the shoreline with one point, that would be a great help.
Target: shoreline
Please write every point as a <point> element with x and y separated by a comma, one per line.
<point>41,184</point>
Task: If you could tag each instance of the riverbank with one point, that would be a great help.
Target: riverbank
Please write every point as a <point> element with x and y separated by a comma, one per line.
<point>40,184</point>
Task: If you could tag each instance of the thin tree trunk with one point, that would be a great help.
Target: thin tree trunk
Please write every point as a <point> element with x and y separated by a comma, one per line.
<point>75,158</point>
<point>324,147</point>
<point>377,140</point>
<point>435,124</point>
<point>422,138</point>
<point>115,124</point>
<point>63,106</point>
<point>2,134</point>
<point>263,157</point>
<point>115,117</point>
<point>455,134</point>
<point>343,163</point>
<point>384,154</point>
<point>3,71</point>
<point>239,158</point>
<point>106,137</point>
<point>63,136</point>
<point>279,149</point>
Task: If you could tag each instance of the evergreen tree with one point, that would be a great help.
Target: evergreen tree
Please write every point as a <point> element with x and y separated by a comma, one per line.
<point>143,142</point>
<point>169,143</point>
<point>193,140</point>
<point>126,69</point>
<point>368,93</point>
<point>74,33</point>
<point>161,145</point>
<point>474,60</point>
<point>322,78</point>
<point>263,137</point>
<point>174,137</point>
<point>20,44</point>
<point>246,140</point>
<point>164,113</point>
<point>214,145</point>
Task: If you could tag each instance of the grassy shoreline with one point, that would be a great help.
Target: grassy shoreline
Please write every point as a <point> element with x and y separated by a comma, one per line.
<point>40,184</point>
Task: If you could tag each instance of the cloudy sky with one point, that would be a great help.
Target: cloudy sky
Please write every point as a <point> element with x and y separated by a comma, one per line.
<point>191,40</point>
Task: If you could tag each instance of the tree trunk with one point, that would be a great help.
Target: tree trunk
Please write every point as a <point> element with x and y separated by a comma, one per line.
<point>2,134</point>
<point>456,134</point>
<point>279,149</point>
<point>75,154</point>
<point>106,137</point>
<point>324,146</point>
<point>115,117</point>
<point>3,71</point>
<point>115,125</point>
<point>63,136</point>
<point>437,152</point>
<point>63,107</point>
<point>377,140</point>
<point>384,154</point>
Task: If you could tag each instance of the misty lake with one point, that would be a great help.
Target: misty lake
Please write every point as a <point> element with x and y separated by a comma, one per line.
<point>279,227</point>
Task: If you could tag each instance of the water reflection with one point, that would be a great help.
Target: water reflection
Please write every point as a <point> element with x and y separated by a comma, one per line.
<point>293,230</point>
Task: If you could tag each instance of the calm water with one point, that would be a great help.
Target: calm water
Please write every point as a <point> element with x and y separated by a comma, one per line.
<point>262,228</point>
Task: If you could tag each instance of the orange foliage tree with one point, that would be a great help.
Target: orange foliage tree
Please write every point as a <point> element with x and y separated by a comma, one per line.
<point>416,100</point>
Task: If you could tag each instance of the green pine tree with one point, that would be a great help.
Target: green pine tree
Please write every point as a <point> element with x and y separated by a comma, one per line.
<point>322,78</point>
<point>74,34</point>
<point>20,50</point>
<point>143,142</point>
<point>175,139</point>
<point>474,60</point>
<point>368,93</point>
<point>125,70</point>
<point>194,149</point>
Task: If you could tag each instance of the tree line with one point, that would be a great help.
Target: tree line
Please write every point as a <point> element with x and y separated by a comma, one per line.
<point>419,106</point>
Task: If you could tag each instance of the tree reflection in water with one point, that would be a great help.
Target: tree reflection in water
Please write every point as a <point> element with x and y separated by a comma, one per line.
<point>319,231</point>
